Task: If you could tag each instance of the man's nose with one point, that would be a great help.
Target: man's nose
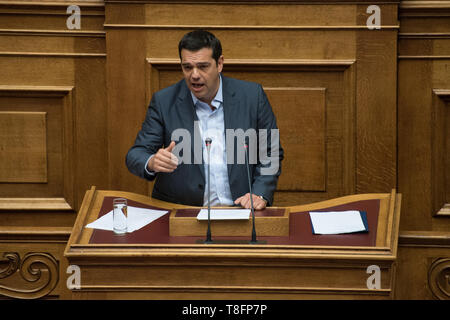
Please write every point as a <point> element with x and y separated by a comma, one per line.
<point>195,74</point>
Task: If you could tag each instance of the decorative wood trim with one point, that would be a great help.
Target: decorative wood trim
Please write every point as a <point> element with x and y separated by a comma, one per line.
<point>254,2</point>
<point>409,9</point>
<point>340,64</point>
<point>85,207</point>
<point>34,204</point>
<point>239,27</point>
<point>53,33</point>
<point>424,57</point>
<point>424,4</point>
<point>35,234</point>
<point>68,143</point>
<point>424,239</point>
<point>445,210</point>
<point>53,54</point>
<point>60,90</point>
<point>12,7</point>
<point>60,3</point>
<point>441,100</point>
<point>30,267</point>
<point>443,94</point>
<point>439,278</point>
<point>422,35</point>
<point>239,289</point>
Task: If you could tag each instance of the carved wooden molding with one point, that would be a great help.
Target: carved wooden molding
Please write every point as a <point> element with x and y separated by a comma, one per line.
<point>34,203</point>
<point>439,141</point>
<point>439,278</point>
<point>274,2</point>
<point>424,8</point>
<point>31,268</point>
<point>241,27</point>
<point>58,7</point>
<point>66,93</point>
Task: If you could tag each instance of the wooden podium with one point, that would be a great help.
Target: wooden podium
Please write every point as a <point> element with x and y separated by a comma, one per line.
<point>155,263</point>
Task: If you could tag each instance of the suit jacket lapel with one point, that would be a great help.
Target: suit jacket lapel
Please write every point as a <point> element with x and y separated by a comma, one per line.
<point>187,108</point>
<point>230,112</point>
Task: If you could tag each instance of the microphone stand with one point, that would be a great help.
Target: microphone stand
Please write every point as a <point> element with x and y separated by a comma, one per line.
<point>208,232</point>
<point>253,241</point>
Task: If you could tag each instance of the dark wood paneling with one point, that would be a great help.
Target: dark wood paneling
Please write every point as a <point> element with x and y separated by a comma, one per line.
<point>383,120</point>
<point>49,70</point>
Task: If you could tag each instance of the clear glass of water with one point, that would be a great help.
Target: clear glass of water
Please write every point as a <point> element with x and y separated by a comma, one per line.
<point>120,215</point>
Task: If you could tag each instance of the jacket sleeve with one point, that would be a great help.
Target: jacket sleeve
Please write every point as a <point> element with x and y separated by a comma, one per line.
<point>270,152</point>
<point>148,141</point>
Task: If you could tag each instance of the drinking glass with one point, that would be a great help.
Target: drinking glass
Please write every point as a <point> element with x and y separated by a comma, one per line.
<point>120,215</point>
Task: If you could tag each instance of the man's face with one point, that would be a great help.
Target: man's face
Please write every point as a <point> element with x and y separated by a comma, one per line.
<point>201,73</point>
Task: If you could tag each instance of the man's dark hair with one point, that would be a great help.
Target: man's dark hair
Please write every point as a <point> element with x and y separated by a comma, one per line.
<point>199,39</point>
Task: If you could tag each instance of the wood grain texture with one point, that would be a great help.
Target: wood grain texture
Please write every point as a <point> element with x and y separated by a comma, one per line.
<point>224,270</point>
<point>301,112</point>
<point>23,147</point>
<point>386,124</point>
<point>56,103</point>
<point>376,112</point>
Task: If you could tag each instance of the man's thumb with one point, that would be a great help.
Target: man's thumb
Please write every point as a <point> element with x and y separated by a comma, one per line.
<point>171,146</point>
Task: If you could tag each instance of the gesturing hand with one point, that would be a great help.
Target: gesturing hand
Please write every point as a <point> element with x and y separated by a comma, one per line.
<point>164,160</point>
<point>244,201</point>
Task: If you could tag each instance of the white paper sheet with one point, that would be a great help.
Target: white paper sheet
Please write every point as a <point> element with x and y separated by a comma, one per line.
<point>137,218</point>
<point>224,214</point>
<point>337,222</point>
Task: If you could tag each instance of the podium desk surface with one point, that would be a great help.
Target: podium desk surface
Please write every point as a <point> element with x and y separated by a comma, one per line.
<point>300,230</point>
<point>150,264</point>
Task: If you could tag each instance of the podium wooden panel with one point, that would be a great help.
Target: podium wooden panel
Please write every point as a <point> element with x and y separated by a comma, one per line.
<point>151,264</point>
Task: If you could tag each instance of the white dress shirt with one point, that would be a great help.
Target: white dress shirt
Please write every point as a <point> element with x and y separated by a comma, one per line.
<point>211,125</point>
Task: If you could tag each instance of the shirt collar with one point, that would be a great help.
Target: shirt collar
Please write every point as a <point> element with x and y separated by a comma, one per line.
<point>218,99</point>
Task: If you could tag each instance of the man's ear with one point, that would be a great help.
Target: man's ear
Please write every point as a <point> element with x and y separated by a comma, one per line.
<point>220,63</point>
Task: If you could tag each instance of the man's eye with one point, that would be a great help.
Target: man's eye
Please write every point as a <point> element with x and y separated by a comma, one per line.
<point>187,67</point>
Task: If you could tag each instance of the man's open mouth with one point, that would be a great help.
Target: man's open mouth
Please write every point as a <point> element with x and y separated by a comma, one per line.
<point>197,85</point>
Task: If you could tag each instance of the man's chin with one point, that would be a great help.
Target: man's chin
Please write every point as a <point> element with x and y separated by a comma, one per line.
<point>199,96</point>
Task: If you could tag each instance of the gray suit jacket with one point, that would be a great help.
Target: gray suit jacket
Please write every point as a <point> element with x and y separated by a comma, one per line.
<point>245,106</point>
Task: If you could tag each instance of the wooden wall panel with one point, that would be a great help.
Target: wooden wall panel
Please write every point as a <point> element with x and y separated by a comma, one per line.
<point>47,69</point>
<point>381,98</point>
<point>423,88</point>
<point>301,112</point>
<point>57,136</point>
<point>424,61</point>
<point>277,54</point>
<point>23,145</point>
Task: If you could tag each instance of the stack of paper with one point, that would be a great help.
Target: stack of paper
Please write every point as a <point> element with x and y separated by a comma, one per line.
<point>337,222</point>
<point>137,218</point>
<point>224,214</point>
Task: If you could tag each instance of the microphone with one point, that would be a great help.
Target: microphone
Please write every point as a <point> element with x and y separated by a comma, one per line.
<point>208,232</point>
<point>253,241</point>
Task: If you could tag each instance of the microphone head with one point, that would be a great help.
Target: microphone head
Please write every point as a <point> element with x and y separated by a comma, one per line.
<point>208,141</point>
<point>246,142</point>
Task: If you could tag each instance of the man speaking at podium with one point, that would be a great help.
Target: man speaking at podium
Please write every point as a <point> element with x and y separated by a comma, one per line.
<point>204,105</point>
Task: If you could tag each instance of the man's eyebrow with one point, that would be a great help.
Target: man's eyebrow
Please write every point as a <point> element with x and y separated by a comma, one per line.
<point>206,63</point>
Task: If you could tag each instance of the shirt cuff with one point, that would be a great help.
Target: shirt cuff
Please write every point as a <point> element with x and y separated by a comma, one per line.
<point>152,173</point>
